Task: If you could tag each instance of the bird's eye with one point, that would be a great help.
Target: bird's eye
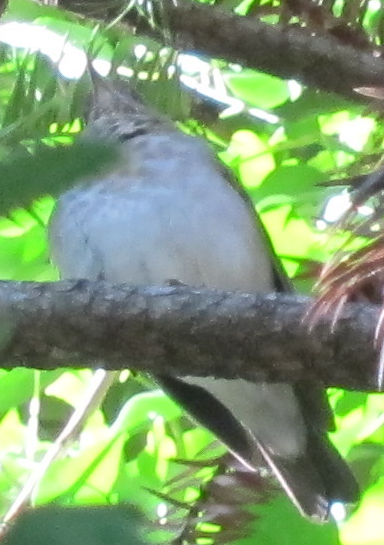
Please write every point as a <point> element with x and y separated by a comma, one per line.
<point>139,131</point>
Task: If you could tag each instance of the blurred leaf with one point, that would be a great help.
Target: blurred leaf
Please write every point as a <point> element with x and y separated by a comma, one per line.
<point>364,527</point>
<point>312,103</point>
<point>258,89</point>
<point>137,410</point>
<point>26,10</point>
<point>249,157</point>
<point>290,180</point>
<point>26,177</point>
<point>55,525</point>
<point>89,476</point>
<point>278,523</point>
<point>17,386</point>
<point>348,401</point>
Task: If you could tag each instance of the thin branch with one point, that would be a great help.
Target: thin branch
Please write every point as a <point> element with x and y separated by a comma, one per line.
<point>285,51</point>
<point>91,401</point>
<point>180,330</point>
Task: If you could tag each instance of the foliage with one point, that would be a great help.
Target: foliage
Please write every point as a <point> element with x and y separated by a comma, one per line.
<point>283,142</point>
<point>87,526</point>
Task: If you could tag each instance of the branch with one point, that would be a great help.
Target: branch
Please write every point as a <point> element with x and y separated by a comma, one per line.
<point>284,51</point>
<point>181,330</point>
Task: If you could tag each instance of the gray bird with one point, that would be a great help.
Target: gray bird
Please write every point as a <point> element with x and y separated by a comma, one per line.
<point>170,210</point>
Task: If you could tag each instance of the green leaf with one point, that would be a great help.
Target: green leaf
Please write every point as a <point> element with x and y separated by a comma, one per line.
<point>257,89</point>
<point>26,177</point>
<point>250,157</point>
<point>289,180</point>
<point>138,410</point>
<point>17,386</point>
<point>364,527</point>
<point>280,523</point>
<point>89,476</point>
<point>103,525</point>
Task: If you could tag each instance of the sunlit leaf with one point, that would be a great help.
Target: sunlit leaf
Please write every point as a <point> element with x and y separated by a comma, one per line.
<point>364,527</point>
<point>249,156</point>
<point>258,89</point>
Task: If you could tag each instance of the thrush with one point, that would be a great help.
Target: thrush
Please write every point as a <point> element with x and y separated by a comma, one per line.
<point>168,209</point>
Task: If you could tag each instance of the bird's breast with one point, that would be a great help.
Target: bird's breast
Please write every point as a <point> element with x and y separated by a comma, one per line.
<point>201,234</point>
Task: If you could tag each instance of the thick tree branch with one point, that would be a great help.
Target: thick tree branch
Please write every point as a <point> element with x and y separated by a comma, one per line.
<point>284,51</point>
<point>180,330</point>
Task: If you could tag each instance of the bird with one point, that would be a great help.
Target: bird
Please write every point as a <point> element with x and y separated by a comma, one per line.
<point>168,209</point>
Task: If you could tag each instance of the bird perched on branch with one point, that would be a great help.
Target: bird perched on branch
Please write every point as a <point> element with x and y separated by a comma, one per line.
<point>168,210</point>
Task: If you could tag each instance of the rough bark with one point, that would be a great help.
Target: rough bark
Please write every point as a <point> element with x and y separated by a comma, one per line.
<point>182,331</point>
<point>288,52</point>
